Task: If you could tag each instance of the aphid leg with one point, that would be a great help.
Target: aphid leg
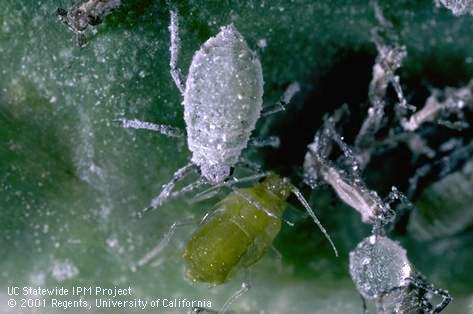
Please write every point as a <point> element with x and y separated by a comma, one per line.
<point>348,153</point>
<point>363,302</point>
<point>167,189</point>
<point>62,14</point>
<point>291,90</point>
<point>244,289</point>
<point>253,202</point>
<point>81,40</point>
<point>163,243</point>
<point>189,188</point>
<point>421,283</point>
<point>271,141</point>
<point>161,128</point>
<point>201,310</point>
<point>404,204</point>
<point>249,164</point>
<point>210,192</point>
<point>311,213</point>
<point>174,49</point>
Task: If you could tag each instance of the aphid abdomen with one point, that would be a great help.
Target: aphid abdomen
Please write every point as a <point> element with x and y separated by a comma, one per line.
<point>223,98</point>
<point>236,235</point>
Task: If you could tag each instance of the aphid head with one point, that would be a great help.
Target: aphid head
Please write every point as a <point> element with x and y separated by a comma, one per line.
<point>215,173</point>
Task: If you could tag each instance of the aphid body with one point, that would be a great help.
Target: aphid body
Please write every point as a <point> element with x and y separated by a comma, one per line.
<point>222,102</point>
<point>237,234</point>
<point>382,272</point>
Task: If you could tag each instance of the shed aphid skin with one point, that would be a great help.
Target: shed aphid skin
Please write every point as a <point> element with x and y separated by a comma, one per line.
<point>382,272</point>
<point>237,234</point>
<point>458,7</point>
<point>440,104</point>
<point>389,59</point>
<point>222,101</point>
<point>80,16</point>
<point>348,185</point>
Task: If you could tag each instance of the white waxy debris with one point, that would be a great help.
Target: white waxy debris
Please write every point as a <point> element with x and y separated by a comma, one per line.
<point>454,101</point>
<point>458,7</point>
<point>262,43</point>
<point>378,265</point>
<point>63,269</point>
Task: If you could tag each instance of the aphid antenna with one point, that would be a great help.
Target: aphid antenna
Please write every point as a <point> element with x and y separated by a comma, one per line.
<point>174,49</point>
<point>142,125</point>
<point>311,213</point>
<point>163,243</point>
<point>243,289</point>
<point>189,188</point>
<point>253,202</point>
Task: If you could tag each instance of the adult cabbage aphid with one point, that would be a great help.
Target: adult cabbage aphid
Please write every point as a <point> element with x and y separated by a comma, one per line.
<point>91,12</point>
<point>382,272</point>
<point>222,102</point>
<point>237,234</point>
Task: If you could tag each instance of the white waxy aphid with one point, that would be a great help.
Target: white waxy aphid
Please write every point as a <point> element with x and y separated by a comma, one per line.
<point>458,7</point>
<point>223,99</point>
<point>381,271</point>
<point>222,102</point>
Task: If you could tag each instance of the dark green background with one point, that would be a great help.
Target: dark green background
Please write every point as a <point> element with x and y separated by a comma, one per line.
<point>72,180</point>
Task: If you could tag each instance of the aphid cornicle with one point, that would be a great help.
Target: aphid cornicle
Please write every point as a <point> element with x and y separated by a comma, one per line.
<point>237,234</point>
<point>382,272</point>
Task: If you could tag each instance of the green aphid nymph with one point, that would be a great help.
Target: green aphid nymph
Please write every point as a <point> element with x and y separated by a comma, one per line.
<point>237,234</point>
